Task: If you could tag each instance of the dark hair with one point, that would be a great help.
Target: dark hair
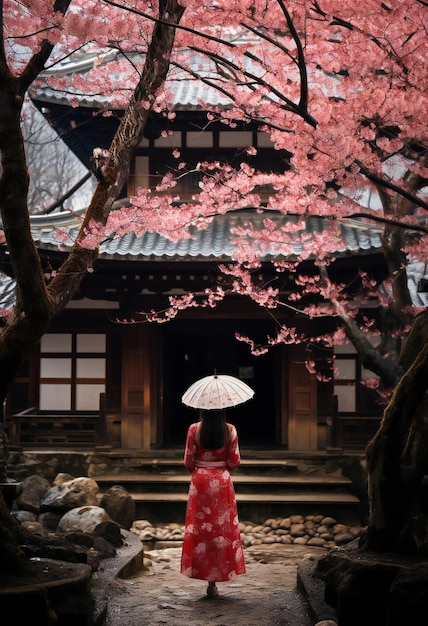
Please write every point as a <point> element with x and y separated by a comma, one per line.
<point>214,432</point>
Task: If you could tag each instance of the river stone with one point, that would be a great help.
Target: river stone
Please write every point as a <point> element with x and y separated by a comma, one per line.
<point>83,518</point>
<point>69,494</point>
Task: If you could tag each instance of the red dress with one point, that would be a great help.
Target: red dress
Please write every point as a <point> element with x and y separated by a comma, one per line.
<point>212,546</point>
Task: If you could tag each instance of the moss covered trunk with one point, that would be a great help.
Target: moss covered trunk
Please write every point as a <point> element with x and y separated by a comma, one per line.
<point>397,458</point>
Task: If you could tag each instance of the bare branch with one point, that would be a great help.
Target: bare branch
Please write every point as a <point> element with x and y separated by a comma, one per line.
<point>301,59</point>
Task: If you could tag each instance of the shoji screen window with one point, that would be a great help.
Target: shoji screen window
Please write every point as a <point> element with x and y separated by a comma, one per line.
<point>72,371</point>
<point>344,384</point>
<point>345,379</point>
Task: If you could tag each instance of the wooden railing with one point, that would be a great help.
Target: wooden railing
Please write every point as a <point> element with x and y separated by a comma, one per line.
<point>66,430</point>
<point>356,432</point>
<point>89,429</point>
<point>350,431</point>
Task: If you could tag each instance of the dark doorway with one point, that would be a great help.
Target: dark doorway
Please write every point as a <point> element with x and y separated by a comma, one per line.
<point>196,349</point>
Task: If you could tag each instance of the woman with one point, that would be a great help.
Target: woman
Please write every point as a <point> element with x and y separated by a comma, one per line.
<point>212,547</point>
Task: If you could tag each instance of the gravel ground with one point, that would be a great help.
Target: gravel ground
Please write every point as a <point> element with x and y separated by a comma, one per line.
<point>265,596</point>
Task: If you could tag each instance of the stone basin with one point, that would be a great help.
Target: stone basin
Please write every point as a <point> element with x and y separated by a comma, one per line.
<point>48,592</point>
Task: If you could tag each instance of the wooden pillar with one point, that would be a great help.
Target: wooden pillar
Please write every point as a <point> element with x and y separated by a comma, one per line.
<point>138,387</point>
<point>302,403</point>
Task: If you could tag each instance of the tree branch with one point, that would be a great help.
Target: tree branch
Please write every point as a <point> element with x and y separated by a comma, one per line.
<point>125,142</point>
<point>289,104</point>
<point>64,196</point>
<point>369,356</point>
<point>300,56</point>
<point>385,183</point>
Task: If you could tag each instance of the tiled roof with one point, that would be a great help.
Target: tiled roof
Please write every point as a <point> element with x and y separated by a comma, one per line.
<point>188,93</point>
<point>189,88</point>
<point>214,242</point>
<point>7,292</point>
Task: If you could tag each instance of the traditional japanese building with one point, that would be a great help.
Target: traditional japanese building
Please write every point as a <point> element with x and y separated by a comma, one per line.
<point>91,362</point>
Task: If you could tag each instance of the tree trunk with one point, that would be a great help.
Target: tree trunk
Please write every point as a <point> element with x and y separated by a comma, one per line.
<point>398,460</point>
<point>37,304</point>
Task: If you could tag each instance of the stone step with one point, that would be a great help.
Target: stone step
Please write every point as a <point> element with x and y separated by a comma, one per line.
<point>162,464</point>
<point>247,483</point>
<point>171,507</point>
<point>308,498</point>
<point>162,497</point>
<point>315,479</point>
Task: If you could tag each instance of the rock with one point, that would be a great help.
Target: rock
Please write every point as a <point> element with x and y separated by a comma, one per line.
<point>64,595</point>
<point>49,520</point>
<point>372,589</point>
<point>84,519</point>
<point>70,553</point>
<point>42,544</point>
<point>70,494</point>
<point>269,539</point>
<point>146,535</point>
<point>24,516</point>
<point>342,538</point>
<point>34,489</point>
<point>339,529</point>
<point>62,478</point>
<point>252,534</point>
<point>409,596</point>
<point>328,521</point>
<point>104,548</point>
<point>141,524</point>
<point>110,531</point>
<point>316,541</point>
<point>119,505</point>
<point>297,530</point>
<point>310,524</point>
<point>81,539</point>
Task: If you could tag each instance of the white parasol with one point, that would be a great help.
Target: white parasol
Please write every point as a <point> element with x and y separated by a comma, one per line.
<point>218,391</point>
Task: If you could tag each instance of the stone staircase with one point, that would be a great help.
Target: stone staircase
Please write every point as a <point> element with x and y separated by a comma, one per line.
<point>265,487</point>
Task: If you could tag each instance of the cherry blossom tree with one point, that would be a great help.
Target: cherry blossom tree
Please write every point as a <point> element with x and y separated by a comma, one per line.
<point>342,92</point>
<point>35,35</point>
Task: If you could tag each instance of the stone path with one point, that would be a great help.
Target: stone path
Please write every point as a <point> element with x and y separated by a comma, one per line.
<point>265,596</point>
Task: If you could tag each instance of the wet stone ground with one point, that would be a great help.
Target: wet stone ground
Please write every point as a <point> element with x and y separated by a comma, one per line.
<point>266,595</point>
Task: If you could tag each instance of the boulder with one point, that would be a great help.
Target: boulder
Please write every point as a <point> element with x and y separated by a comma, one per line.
<point>70,494</point>
<point>110,531</point>
<point>24,516</point>
<point>119,505</point>
<point>49,520</point>
<point>83,519</point>
<point>374,589</point>
<point>34,489</point>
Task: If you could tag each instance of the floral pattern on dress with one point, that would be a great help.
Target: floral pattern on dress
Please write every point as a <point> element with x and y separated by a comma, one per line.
<point>212,547</point>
